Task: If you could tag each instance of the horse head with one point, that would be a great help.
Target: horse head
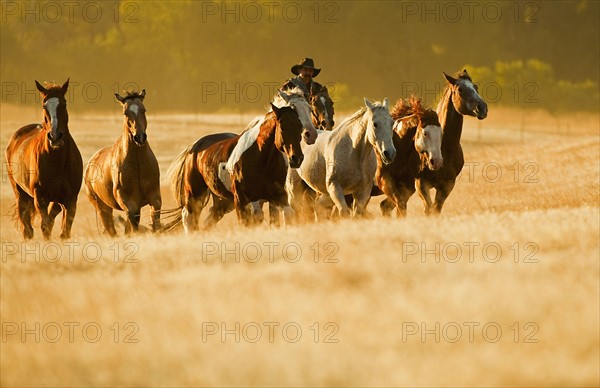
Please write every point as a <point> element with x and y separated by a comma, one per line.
<point>379,129</point>
<point>135,115</point>
<point>56,118</point>
<point>322,110</point>
<point>295,99</point>
<point>465,96</point>
<point>288,134</point>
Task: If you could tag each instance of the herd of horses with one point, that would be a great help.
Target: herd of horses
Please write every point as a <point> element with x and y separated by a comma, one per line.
<point>294,158</point>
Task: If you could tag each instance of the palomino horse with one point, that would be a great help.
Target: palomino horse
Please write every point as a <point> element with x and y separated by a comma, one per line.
<point>45,167</point>
<point>125,176</point>
<point>343,161</point>
<point>460,97</point>
<point>322,110</point>
<point>418,140</point>
<point>259,173</point>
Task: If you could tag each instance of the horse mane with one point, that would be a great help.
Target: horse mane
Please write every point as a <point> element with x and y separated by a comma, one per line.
<point>295,92</point>
<point>413,106</point>
<point>266,128</point>
<point>132,95</point>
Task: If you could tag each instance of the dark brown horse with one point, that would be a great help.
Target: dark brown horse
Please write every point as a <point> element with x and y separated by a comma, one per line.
<point>418,138</point>
<point>321,106</point>
<point>45,167</point>
<point>125,176</point>
<point>259,174</point>
<point>460,97</point>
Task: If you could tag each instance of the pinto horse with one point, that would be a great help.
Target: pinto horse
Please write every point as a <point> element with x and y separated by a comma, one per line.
<point>125,176</point>
<point>322,110</point>
<point>343,161</point>
<point>45,166</point>
<point>258,174</point>
<point>418,138</point>
<point>460,97</point>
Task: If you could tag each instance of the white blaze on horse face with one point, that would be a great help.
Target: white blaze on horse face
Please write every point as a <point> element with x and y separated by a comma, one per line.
<point>135,109</point>
<point>429,142</point>
<point>52,107</point>
<point>382,127</point>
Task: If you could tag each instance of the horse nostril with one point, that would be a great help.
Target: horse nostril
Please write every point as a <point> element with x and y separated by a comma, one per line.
<point>323,123</point>
<point>60,135</point>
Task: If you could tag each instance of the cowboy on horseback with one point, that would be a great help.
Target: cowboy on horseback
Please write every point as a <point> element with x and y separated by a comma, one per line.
<point>305,71</point>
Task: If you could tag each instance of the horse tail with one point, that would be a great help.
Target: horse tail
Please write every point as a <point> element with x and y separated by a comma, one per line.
<point>175,174</point>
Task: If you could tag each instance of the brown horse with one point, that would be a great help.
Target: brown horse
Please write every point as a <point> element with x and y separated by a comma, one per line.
<point>259,174</point>
<point>321,107</point>
<point>460,97</point>
<point>418,138</point>
<point>125,176</point>
<point>45,167</point>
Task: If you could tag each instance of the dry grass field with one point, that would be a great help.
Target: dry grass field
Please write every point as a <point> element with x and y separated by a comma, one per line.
<point>502,289</point>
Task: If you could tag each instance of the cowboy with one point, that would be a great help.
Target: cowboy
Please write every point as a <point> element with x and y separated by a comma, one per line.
<point>305,71</point>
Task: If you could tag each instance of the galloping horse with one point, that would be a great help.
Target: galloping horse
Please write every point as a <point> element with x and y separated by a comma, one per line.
<point>183,188</point>
<point>45,167</point>
<point>258,174</point>
<point>343,161</point>
<point>322,110</point>
<point>460,97</point>
<point>418,140</point>
<point>125,176</point>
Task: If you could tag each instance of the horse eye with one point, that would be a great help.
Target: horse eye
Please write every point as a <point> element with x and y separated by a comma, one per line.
<point>375,125</point>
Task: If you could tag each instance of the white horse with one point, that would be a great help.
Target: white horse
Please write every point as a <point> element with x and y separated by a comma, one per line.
<point>343,161</point>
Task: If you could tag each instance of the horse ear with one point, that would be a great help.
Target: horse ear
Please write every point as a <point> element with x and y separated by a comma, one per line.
<point>450,79</point>
<point>40,88</point>
<point>143,93</point>
<point>276,110</point>
<point>65,86</point>
<point>386,103</point>
<point>119,98</point>
<point>465,72</point>
<point>368,103</point>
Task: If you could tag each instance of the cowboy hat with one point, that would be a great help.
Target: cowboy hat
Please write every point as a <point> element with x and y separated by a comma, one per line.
<point>308,63</point>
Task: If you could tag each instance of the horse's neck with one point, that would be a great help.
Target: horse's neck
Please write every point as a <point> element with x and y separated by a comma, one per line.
<point>126,144</point>
<point>358,134</point>
<point>266,138</point>
<point>451,122</point>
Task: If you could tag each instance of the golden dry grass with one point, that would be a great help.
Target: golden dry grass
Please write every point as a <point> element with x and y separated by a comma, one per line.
<point>545,206</point>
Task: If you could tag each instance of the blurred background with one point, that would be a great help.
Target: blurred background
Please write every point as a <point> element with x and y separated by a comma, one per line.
<point>230,56</point>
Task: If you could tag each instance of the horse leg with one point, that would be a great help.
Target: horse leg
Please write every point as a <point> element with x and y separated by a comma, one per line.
<point>274,213</point>
<point>423,188</point>
<point>386,206</point>
<point>68,217</point>
<point>361,200</point>
<point>25,209</point>
<point>155,205</point>
<point>296,189</point>
<point>133,216</point>
<point>258,216</point>
<point>53,211</point>
<point>217,211</point>
<point>337,196</point>
<point>324,207</point>
<point>441,194</point>
<point>105,213</point>
<point>41,206</point>
<point>390,189</point>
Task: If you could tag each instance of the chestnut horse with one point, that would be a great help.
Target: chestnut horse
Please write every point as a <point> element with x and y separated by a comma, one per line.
<point>460,97</point>
<point>125,176</point>
<point>45,167</point>
<point>259,173</point>
<point>418,139</point>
